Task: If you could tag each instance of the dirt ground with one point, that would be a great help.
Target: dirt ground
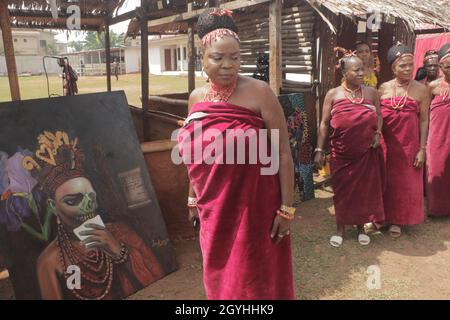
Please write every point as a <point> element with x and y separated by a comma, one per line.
<point>414,266</point>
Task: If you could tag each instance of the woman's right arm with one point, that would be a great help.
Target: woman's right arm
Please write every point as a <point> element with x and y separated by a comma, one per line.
<point>47,274</point>
<point>319,155</point>
<point>194,97</point>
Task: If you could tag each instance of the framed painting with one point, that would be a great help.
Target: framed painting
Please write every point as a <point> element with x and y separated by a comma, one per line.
<point>79,218</point>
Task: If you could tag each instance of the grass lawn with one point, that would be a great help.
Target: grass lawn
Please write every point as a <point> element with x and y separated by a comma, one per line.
<point>36,86</point>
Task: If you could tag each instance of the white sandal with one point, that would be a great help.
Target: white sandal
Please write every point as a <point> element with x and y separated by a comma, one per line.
<point>363,239</point>
<point>336,241</point>
<point>395,231</point>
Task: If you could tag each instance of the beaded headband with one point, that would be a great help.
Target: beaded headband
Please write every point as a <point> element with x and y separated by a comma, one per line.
<point>56,160</point>
<point>447,55</point>
<point>345,54</point>
<point>433,56</point>
<point>400,55</point>
<point>217,34</point>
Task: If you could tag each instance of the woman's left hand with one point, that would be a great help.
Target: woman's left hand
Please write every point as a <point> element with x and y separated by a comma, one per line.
<point>280,229</point>
<point>420,159</point>
<point>375,141</point>
<point>100,237</point>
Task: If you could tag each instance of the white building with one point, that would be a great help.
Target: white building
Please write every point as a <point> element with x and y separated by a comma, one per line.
<point>167,54</point>
<point>93,62</point>
<point>30,46</point>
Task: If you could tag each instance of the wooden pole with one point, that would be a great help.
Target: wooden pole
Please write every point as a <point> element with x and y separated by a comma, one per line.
<point>275,45</point>
<point>5,25</point>
<point>175,102</point>
<point>213,3</point>
<point>108,57</point>
<point>145,72</point>
<point>191,57</point>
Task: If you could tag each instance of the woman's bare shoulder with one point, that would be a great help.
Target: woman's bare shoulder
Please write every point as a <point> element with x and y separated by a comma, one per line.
<point>332,93</point>
<point>371,92</point>
<point>253,84</point>
<point>385,85</point>
<point>49,258</point>
<point>419,87</point>
<point>434,84</point>
<point>197,95</point>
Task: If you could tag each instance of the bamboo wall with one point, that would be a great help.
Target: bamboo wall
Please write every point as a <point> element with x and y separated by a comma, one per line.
<point>297,39</point>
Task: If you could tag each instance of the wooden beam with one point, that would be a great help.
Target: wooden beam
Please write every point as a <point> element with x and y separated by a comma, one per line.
<point>431,31</point>
<point>123,17</point>
<point>213,3</point>
<point>191,57</point>
<point>25,25</point>
<point>5,25</point>
<point>233,5</point>
<point>145,72</point>
<point>175,102</point>
<point>275,45</point>
<point>108,57</point>
<point>47,14</point>
<point>157,146</point>
<point>61,22</point>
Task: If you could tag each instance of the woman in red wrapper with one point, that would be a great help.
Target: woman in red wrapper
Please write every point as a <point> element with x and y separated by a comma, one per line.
<point>404,105</point>
<point>244,213</point>
<point>438,150</point>
<point>353,112</point>
<point>113,261</point>
<point>430,70</point>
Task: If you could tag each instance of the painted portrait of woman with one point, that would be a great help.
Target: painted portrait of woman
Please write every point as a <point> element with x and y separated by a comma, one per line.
<point>111,259</point>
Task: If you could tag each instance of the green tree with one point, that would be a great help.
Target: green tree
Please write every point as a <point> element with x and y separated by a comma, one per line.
<point>51,49</point>
<point>95,40</point>
<point>77,46</point>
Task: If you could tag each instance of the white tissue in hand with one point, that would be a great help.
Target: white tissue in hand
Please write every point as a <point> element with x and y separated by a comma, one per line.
<point>96,220</point>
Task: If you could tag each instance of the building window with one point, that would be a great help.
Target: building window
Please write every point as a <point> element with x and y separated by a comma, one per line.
<point>25,40</point>
<point>184,53</point>
<point>15,40</point>
<point>178,54</point>
<point>43,43</point>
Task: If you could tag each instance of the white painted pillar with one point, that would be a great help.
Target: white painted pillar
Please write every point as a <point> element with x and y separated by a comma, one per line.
<point>181,58</point>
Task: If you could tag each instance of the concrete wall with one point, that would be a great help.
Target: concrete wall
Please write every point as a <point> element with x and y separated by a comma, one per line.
<point>132,60</point>
<point>31,64</point>
<point>156,60</point>
<point>28,42</point>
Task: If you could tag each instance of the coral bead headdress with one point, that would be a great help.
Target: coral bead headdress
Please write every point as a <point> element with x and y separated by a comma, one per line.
<point>56,160</point>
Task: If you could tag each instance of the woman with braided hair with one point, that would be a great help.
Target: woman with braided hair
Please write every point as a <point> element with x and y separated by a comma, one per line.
<point>404,105</point>
<point>244,215</point>
<point>438,148</point>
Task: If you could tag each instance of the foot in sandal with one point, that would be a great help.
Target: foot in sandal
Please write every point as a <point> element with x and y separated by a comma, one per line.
<point>395,231</point>
<point>363,239</point>
<point>336,241</point>
<point>338,238</point>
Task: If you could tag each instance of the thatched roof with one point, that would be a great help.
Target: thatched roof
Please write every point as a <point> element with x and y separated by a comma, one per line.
<point>38,13</point>
<point>414,12</point>
<point>180,27</point>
